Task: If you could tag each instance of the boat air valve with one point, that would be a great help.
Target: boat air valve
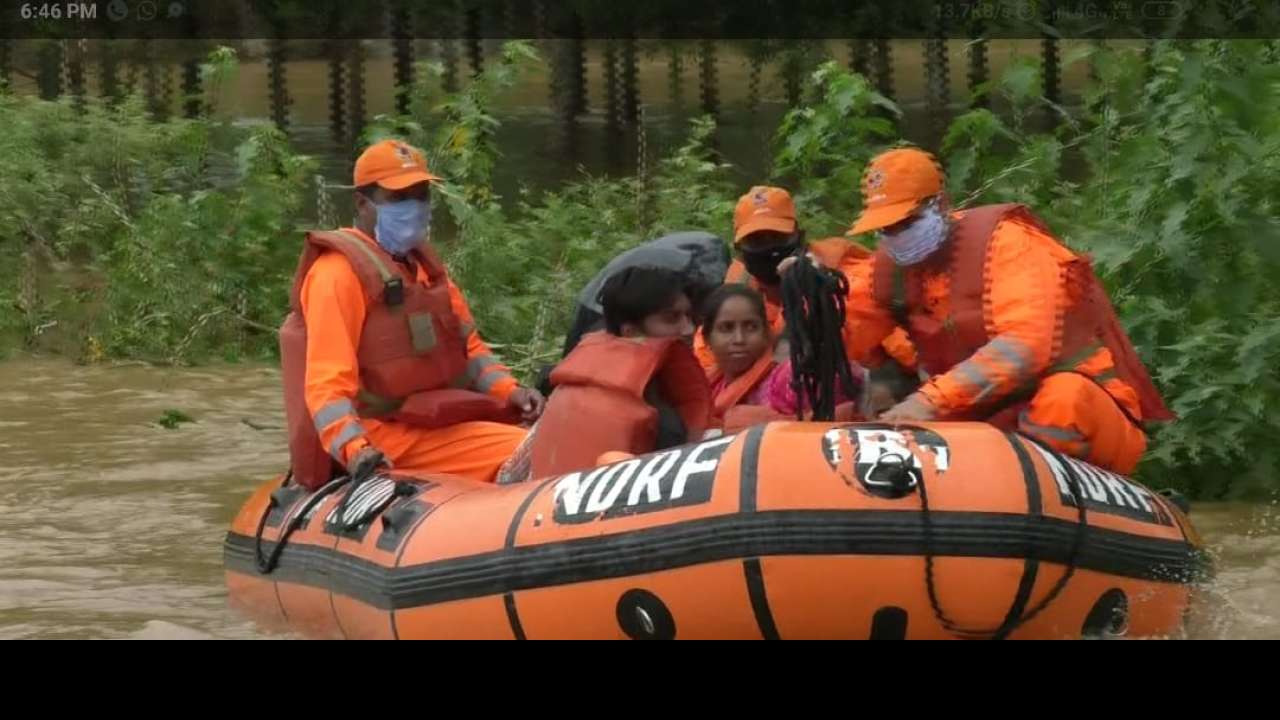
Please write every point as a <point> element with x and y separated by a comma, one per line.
<point>892,476</point>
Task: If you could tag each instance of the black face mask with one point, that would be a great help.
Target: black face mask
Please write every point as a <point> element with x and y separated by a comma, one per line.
<point>763,264</point>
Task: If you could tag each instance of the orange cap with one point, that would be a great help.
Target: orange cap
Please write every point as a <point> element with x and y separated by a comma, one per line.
<point>764,208</point>
<point>893,186</point>
<point>393,165</point>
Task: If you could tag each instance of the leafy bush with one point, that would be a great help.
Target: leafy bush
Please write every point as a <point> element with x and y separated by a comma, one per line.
<point>175,241</point>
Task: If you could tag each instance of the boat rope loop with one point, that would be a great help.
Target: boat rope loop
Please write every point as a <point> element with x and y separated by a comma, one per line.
<point>266,564</point>
<point>813,304</point>
<point>1014,622</point>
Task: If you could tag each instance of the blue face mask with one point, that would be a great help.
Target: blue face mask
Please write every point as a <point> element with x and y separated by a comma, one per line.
<point>402,225</point>
<point>919,239</point>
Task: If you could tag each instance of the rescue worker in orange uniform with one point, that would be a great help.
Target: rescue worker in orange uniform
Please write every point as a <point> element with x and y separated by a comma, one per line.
<point>765,231</point>
<point>382,360</point>
<point>1010,325</point>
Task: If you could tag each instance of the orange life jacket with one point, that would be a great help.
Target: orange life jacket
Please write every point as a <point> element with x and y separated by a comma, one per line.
<point>734,417</point>
<point>726,410</point>
<point>412,353</point>
<point>599,402</point>
<point>1088,323</point>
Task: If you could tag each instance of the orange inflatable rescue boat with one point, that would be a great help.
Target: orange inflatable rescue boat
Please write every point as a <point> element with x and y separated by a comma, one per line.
<point>785,530</point>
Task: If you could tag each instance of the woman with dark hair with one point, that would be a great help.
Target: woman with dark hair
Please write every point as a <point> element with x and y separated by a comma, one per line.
<point>751,380</point>
<point>737,332</point>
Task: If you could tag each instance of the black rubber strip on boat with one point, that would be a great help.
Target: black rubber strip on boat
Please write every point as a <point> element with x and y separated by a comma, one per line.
<point>1030,565</point>
<point>727,537</point>
<point>509,597</point>
<point>748,489</point>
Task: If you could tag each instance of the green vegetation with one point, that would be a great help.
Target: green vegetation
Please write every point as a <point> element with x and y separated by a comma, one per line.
<point>175,241</point>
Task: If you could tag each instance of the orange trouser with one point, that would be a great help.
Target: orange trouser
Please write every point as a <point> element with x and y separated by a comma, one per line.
<point>474,450</point>
<point>1073,415</point>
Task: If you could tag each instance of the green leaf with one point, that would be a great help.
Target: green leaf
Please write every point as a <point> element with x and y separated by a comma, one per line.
<point>171,419</point>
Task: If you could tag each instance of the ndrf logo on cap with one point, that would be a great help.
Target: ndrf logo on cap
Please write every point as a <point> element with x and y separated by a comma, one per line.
<point>764,208</point>
<point>874,181</point>
<point>392,164</point>
<point>895,184</point>
<point>405,155</point>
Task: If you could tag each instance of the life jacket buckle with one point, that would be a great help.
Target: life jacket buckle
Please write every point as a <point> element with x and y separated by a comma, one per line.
<point>393,292</point>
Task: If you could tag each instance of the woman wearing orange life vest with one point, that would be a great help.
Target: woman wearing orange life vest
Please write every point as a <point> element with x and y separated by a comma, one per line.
<point>1012,326</point>
<point>381,358</point>
<point>765,231</point>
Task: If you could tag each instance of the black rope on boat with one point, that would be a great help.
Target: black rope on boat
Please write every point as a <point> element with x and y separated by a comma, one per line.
<point>268,563</point>
<point>813,307</point>
<point>1010,624</point>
